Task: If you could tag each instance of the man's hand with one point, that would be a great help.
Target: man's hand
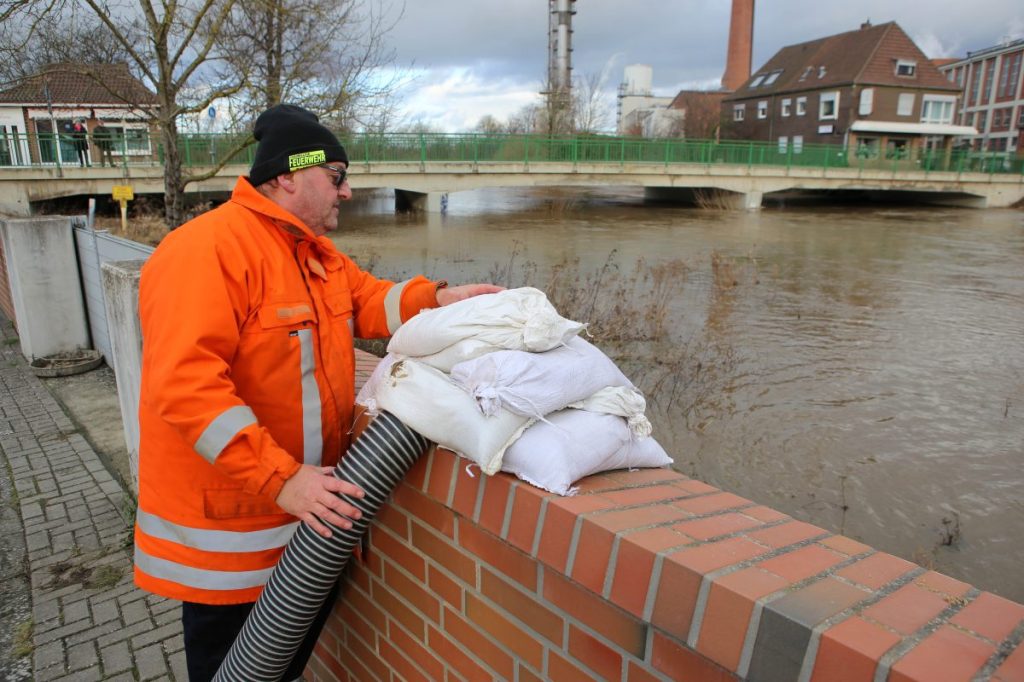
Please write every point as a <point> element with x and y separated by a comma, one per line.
<point>311,495</point>
<point>451,295</point>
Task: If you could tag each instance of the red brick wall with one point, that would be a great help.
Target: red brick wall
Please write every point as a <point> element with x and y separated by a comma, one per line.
<point>645,575</point>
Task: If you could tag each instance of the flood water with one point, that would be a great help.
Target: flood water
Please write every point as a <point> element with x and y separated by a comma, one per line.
<point>858,367</point>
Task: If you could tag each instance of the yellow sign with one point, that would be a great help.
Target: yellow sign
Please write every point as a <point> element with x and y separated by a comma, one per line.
<point>123,193</point>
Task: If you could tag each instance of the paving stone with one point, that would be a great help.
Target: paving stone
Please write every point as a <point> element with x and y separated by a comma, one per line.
<point>116,658</point>
<point>49,655</point>
<point>82,656</point>
<point>150,662</point>
<point>76,611</point>
<point>156,635</point>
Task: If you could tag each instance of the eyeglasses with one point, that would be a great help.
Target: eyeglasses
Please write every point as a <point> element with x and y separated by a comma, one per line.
<point>338,179</point>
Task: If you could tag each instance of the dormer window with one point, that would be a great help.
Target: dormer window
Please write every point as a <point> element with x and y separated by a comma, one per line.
<point>821,71</point>
<point>772,77</point>
<point>807,72</point>
<point>906,68</point>
<point>757,81</point>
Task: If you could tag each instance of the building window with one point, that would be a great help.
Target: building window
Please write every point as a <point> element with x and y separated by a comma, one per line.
<point>937,109</point>
<point>828,106</point>
<point>807,72</point>
<point>798,144</point>
<point>762,109</point>
<point>787,107</point>
<point>801,106</point>
<point>1020,118</point>
<point>980,121</point>
<point>867,101</point>
<point>783,144</point>
<point>905,105</point>
<point>739,112</point>
<point>976,74</point>
<point>906,68</point>
<point>1002,118</point>
<point>772,77</point>
<point>990,72</point>
<point>757,81</point>
<point>1009,74</point>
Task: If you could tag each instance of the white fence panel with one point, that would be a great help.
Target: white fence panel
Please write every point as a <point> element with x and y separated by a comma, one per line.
<point>96,247</point>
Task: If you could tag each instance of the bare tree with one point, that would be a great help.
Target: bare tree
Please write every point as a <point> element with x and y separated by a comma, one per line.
<point>327,55</point>
<point>170,46</point>
<point>591,112</point>
<point>489,125</point>
<point>74,39</point>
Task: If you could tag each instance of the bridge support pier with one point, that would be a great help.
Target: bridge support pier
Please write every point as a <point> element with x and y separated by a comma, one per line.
<point>431,202</point>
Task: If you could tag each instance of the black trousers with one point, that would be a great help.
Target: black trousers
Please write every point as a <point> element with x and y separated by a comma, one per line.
<point>211,630</point>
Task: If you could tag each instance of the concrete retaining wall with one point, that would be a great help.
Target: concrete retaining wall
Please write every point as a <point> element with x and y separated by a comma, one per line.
<point>45,288</point>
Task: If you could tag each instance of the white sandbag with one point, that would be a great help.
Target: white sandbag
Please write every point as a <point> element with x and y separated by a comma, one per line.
<point>573,444</point>
<point>367,396</point>
<point>430,403</point>
<point>534,384</point>
<point>623,402</point>
<point>514,319</point>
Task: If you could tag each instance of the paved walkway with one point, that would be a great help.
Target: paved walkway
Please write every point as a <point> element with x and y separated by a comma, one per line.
<point>68,606</point>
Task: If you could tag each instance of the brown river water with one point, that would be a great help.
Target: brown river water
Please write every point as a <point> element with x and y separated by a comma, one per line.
<point>860,367</point>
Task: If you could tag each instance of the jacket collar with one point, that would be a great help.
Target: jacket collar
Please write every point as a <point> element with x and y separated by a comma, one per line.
<point>322,253</point>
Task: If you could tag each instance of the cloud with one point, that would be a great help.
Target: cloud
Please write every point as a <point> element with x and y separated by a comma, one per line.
<point>490,56</point>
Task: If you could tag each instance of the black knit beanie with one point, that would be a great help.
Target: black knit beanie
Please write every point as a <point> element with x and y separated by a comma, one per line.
<point>291,138</point>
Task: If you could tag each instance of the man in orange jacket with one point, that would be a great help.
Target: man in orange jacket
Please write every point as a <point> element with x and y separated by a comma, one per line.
<point>248,314</point>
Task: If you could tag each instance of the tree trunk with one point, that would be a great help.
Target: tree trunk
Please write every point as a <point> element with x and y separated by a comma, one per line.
<point>174,187</point>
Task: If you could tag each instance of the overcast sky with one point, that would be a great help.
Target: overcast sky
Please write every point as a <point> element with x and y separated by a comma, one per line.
<point>476,57</point>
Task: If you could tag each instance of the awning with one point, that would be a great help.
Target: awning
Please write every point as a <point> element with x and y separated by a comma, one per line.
<point>912,128</point>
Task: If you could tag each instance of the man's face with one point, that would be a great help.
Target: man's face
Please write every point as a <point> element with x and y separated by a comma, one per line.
<point>318,200</point>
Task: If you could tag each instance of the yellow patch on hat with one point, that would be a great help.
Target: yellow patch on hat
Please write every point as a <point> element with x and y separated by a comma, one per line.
<point>306,159</point>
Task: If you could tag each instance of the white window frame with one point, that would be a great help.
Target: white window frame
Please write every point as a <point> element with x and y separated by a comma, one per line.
<point>739,112</point>
<point>905,104</point>
<point>801,106</point>
<point>762,109</point>
<point>783,144</point>
<point>945,103</point>
<point>909,67</point>
<point>824,99</point>
<point>787,107</point>
<point>867,102</point>
<point>798,144</point>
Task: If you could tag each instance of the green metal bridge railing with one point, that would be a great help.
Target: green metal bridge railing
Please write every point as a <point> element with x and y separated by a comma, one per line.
<point>204,150</point>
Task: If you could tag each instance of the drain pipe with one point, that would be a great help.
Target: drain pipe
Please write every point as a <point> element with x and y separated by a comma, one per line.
<point>311,563</point>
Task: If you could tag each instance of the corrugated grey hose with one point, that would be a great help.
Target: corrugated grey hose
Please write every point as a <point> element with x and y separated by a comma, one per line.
<point>311,563</point>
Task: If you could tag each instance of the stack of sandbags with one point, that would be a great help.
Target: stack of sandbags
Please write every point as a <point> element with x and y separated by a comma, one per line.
<point>505,381</point>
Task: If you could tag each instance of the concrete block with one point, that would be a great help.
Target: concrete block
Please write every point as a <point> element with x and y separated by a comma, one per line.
<point>43,271</point>
<point>121,295</point>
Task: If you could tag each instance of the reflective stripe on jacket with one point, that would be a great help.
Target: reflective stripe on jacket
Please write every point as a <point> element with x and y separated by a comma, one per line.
<point>247,371</point>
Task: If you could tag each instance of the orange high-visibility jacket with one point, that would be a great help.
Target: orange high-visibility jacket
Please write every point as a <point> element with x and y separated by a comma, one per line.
<point>247,371</point>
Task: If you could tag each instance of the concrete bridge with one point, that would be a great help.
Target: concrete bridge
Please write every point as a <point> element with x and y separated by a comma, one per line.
<point>422,184</point>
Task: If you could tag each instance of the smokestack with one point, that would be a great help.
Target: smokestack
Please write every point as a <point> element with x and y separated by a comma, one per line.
<point>741,45</point>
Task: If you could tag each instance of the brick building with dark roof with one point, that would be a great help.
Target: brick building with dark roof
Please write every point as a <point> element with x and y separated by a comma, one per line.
<point>871,90</point>
<point>37,114</point>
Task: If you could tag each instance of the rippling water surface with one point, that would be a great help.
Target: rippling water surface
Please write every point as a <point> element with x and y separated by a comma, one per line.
<point>869,362</point>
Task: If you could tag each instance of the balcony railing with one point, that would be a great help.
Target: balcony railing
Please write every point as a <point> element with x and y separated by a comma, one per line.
<point>205,150</point>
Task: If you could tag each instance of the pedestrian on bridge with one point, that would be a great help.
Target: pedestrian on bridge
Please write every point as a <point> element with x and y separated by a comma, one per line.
<point>248,314</point>
<point>103,138</point>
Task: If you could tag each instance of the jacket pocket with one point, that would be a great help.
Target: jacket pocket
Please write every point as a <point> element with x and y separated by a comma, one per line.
<point>339,304</point>
<point>285,315</point>
<point>233,504</point>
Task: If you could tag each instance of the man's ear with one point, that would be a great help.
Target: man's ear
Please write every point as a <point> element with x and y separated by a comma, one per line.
<point>286,181</point>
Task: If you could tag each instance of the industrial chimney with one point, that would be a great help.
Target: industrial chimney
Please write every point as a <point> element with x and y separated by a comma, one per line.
<point>559,85</point>
<point>741,45</point>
